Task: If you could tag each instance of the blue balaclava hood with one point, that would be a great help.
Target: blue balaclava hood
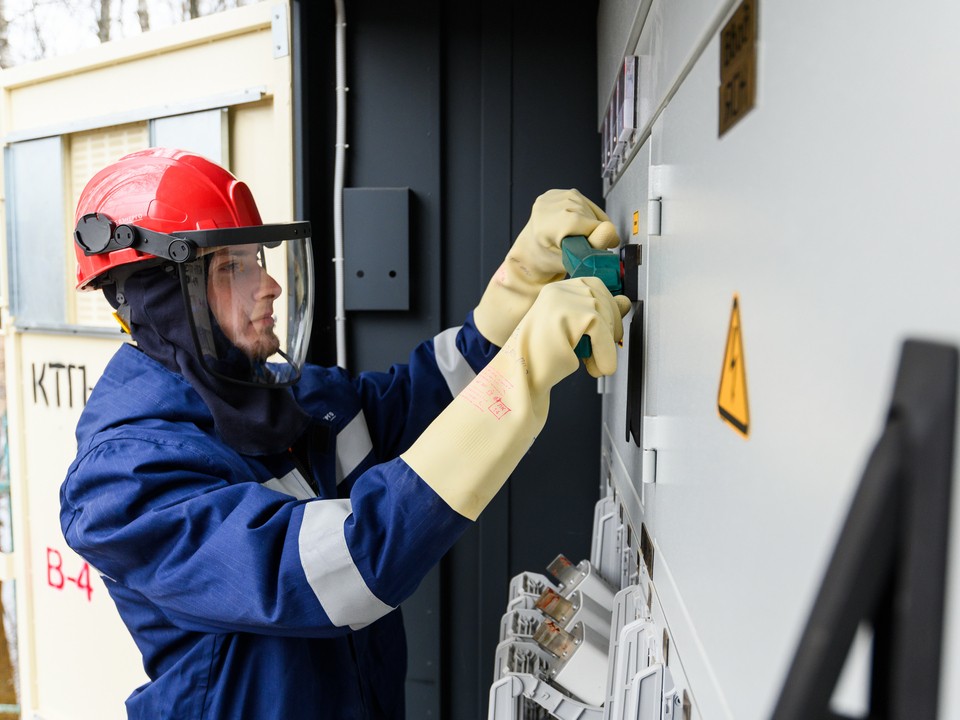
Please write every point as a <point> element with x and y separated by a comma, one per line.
<point>251,420</point>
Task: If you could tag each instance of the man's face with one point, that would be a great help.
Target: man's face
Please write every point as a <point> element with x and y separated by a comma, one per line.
<point>241,295</point>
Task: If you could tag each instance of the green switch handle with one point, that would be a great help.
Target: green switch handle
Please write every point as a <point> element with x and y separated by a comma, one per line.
<point>581,259</point>
<point>584,349</point>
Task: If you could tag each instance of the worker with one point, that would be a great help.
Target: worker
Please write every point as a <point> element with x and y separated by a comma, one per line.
<point>256,519</point>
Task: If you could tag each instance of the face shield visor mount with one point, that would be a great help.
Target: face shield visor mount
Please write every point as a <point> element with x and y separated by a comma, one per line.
<point>247,292</point>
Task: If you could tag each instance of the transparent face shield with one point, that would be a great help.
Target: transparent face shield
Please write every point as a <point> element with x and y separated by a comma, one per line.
<point>250,308</point>
<point>248,291</point>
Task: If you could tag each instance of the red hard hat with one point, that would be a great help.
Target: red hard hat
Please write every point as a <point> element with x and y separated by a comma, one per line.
<point>163,190</point>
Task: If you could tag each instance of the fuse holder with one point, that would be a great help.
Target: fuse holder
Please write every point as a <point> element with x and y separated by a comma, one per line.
<point>556,606</point>
<point>583,577</point>
<point>567,611</point>
<point>581,665</point>
<point>525,588</point>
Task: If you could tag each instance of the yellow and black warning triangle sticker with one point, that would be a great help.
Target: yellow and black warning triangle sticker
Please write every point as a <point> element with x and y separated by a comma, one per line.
<point>732,398</point>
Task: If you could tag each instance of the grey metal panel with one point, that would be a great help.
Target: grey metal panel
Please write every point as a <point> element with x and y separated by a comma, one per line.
<point>496,233</point>
<point>204,132</point>
<point>394,67</point>
<point>35,232</point>
<point>631,195</point>
<point>299,70</point>
<point>472,98</point>
<point>376,248</point>
<point>250,95</point>
<point>314,137</point>
<point>829,212</point>
<point>421,617</point>
<point>433,95</point>
<point>395,138</point>
<point>618,27</point>
<point>558,477</point>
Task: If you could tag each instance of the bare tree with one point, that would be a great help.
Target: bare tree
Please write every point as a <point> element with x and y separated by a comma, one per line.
<point>104,20</point>
<point>38,35</point>
<point>143,15</point>
<point>30,30</point>
<point>5,60</point>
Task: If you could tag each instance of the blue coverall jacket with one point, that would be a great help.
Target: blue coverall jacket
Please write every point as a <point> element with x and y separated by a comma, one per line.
<point>250,590</point>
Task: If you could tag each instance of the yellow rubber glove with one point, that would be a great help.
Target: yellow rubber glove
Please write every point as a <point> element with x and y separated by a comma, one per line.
<point>469,450</point>
<point>535,260</point>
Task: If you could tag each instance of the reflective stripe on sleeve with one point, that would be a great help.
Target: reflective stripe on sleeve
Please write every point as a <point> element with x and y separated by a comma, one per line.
<point>291,484</point>
<point>330,570</point>
<point>453,366</point>
<point>353,445</point>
